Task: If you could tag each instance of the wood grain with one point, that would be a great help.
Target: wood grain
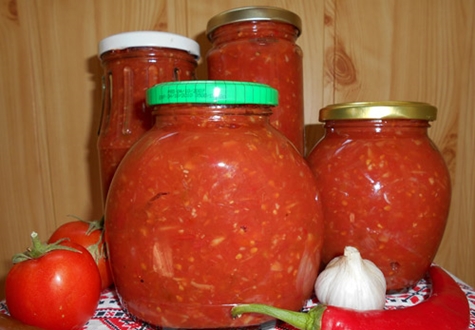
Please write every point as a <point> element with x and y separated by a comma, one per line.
<point>50,91</point>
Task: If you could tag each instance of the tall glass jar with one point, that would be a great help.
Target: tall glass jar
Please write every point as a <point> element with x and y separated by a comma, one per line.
<point>385,187</point>
<point>212,207</point>
<point>259,44</point>
<point>133,62</point>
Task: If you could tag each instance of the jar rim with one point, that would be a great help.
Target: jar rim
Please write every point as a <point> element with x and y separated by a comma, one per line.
<point>379,110</point>
<point>254,13</point>
<point>149,39</point>
<point>212,92</point>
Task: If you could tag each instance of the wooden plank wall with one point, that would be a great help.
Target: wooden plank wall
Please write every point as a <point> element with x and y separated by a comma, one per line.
<point>355,50</point>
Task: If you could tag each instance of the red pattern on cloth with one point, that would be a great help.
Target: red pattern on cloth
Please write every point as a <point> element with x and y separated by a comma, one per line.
<point>110,316</point>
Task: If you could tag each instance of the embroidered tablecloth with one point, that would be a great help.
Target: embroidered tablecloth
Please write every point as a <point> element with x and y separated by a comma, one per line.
<point>110,316</point>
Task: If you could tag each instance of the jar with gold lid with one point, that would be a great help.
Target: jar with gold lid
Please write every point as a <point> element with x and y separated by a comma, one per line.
<point>258,44</point>
<point>385,187</point>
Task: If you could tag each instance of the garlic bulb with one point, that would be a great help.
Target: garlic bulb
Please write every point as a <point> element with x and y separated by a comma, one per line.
<point>352,282</point>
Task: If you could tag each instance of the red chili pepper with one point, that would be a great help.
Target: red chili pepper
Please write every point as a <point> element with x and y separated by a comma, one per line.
<point>446,308</point>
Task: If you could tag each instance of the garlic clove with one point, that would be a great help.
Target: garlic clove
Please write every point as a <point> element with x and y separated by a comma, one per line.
<point>352,282</point>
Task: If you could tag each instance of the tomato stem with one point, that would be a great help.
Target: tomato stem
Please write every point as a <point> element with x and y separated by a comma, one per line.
<point>93,225</point>
<point>97,250</point>
<point>303,321</point>
<point>39,249</point>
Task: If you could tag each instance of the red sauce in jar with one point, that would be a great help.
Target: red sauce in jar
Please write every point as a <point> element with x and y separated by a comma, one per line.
<point>385,187</point>
<point>133,62</point>
<point>258,44</point>
<point>212,207</point>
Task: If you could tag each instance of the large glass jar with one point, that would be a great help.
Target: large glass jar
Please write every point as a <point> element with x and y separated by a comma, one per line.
<point>385,187</point>
<point>133,62</point>
<point>212,207</point>
<point>259,44</point>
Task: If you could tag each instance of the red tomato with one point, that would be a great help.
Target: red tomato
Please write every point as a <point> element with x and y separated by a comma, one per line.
<point>58,290</point>
<point>89,235</point>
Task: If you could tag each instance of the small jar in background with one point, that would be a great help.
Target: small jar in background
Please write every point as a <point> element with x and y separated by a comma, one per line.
<point>133,62</point>
<point>258,44</point>
<point>385,187</point>
<point>212,207</point>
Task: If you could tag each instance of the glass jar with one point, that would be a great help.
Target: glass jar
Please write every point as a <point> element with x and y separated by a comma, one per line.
<point>212,207</point>
<point>259,44</point>
<point>133,62</point>
<point>385,187</point>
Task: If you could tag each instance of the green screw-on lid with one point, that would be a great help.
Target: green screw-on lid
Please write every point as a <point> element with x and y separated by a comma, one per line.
<point>212,92</point>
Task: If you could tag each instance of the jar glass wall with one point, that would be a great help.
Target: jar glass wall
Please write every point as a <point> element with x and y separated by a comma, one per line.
<point>259,44</point>
<point>133,62</point>
<point>212,207</point>
<point>385,186</point>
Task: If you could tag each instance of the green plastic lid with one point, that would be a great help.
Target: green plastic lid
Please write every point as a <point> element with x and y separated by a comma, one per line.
<point>212,92</point>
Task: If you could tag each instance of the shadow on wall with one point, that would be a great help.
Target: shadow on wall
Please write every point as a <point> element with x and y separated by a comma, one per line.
<point>205,46</point>
<point>95,71</point>
<point>313,134</point>
<point>6,265</point>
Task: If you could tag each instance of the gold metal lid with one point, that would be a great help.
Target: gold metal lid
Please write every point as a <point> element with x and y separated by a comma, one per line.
<point>254,13</point>
<point>379,110</point>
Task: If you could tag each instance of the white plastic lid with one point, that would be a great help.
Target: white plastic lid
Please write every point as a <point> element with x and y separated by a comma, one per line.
<point>149,39</point>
